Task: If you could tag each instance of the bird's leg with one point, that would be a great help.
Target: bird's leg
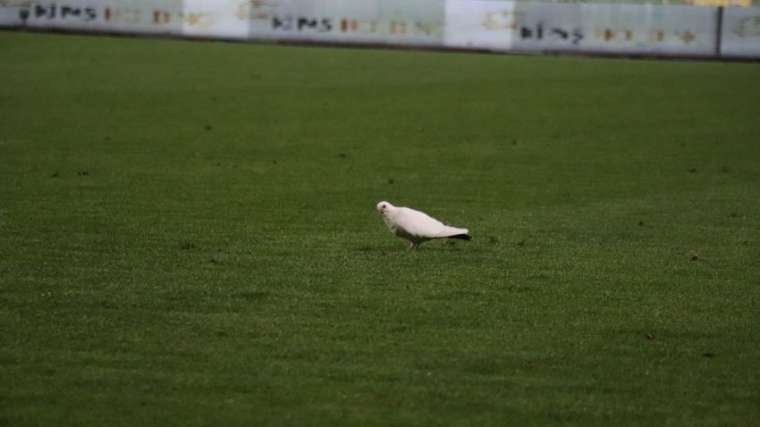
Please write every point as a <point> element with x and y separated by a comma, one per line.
<point>412,245</point>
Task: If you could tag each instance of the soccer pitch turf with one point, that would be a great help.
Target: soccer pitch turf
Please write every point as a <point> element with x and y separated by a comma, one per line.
<point>188,237</point>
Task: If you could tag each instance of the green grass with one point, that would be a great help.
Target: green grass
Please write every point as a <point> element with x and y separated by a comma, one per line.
<point>188,237</point>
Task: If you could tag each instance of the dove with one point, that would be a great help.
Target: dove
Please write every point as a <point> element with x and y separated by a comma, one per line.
<point>417,227</point>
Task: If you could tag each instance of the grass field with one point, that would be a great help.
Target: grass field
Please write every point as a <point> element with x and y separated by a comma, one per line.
<point>188,237</point>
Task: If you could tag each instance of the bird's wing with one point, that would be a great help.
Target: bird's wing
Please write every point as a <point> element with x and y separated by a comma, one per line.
<point>419,223</point>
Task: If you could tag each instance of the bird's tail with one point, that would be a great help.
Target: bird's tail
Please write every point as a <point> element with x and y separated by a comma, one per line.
<point>456,233</point>
<point>461,236</point>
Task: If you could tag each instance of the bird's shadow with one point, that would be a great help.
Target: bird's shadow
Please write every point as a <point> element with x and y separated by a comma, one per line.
<point>449,246</point>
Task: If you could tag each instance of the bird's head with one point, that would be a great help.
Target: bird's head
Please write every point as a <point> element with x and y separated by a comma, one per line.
<point>383,207</point>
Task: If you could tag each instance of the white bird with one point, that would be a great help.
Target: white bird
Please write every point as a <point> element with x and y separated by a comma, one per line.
<point>416,226</point>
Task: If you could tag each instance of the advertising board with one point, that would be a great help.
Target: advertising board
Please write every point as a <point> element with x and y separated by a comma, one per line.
<point>130,16</point>
<point>11,13</point>
<point>609,28</point>
<point>143,16</point>
<point>480,24</point>
<point>501,25</point>
<point>740,32</point>
<point>227,19</point>
<point>66,14</point>
<point>396,22</point>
